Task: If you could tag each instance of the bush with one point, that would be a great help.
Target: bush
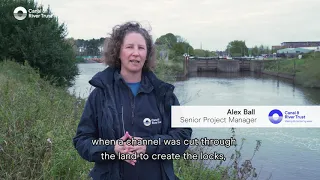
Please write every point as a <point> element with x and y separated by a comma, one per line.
<point>80,60</point>
<point>235,169</point>
<point>39,41</point>
<point>168,71</point>
<point>309,75</point>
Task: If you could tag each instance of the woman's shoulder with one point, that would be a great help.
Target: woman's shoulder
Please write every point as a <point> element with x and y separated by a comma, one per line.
<point>95,94</point>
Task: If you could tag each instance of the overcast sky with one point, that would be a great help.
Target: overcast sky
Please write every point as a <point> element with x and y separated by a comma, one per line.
<point>212,23</point>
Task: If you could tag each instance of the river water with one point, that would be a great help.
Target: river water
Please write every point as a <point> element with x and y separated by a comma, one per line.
<point>285,153</point>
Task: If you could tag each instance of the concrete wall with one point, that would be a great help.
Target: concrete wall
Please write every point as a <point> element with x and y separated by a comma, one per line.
<point>228,66</point>
<point>256,66</point>
<point>225,65</point>
<point>233,66</point>
<point>192,67</point>
<point>245,65</point>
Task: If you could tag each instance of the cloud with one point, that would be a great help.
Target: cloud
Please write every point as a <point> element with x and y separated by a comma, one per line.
<point>212,23</point>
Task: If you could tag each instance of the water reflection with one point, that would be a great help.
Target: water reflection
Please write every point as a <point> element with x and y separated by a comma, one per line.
<point>247,88</point>
<point>281,147</point>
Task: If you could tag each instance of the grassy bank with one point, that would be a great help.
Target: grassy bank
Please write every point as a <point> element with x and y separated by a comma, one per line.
<point>306,70</point>
<point>38,122</point>
<point>168,71</point>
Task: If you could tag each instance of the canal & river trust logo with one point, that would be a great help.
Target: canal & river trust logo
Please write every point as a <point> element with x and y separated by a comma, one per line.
<point>275,116</point>
<point>20,13</point>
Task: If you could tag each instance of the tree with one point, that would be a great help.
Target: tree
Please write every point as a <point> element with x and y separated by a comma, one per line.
<point>180,39</point>
<point>175,43</point>
<point>72,43</point>
<point>204,53</point>
<point>255,51</point>
<point>199,53</point>
<point>90,47</point>
<point>237,48</point>
<point>39,41</point>
<point>168,39</point>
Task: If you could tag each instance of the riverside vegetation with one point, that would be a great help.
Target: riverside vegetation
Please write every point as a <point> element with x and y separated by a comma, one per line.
<point>306,69</point>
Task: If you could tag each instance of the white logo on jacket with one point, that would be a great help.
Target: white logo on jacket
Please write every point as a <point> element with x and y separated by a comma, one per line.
<point>148,121</point>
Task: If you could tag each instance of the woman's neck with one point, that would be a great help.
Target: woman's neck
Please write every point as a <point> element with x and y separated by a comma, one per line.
<point>131,77</point>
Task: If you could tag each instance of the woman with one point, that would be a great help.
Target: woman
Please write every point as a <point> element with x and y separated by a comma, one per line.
<point>129,101</point>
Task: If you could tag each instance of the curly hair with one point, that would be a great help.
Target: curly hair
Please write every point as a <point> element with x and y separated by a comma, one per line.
<point>113,44</point>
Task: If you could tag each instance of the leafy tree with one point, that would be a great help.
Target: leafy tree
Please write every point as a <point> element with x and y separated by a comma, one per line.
<point>255,51</point>
<point>175,43</point>
<point>72,42</point>
<point>237,48</point>
<point>90,47</point>
<point>204,53</point>
<point>39,41</point>
<point>180,39</point>
<point>199,53</point>
<point>168,39</point>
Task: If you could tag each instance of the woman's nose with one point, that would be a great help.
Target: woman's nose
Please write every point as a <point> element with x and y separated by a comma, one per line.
<point>136,51</point>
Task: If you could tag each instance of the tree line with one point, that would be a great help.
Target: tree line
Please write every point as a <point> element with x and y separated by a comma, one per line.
<point>89,47</point>
<point>173,45</point>
<point>238,48</point>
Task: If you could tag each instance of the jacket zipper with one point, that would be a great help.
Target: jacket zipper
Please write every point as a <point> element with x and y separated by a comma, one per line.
<point>124,131</point>
<point>132,108</point>
<point>132,103</point>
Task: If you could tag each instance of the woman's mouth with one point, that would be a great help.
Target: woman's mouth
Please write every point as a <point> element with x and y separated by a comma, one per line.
<point>134,61</point>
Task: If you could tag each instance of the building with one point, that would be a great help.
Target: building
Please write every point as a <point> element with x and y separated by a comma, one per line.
<point>275,48</point>
<point>300,44</point>
<point>101,48</point>
<point>299,50</point>
<point>81,49</point>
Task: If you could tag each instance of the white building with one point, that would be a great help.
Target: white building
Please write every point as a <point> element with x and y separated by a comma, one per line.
<point>81,49</point>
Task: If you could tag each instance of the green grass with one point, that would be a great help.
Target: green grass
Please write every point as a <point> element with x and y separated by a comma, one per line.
<point>306,70</point>
<point>285,65</point>
<point>38,122</point>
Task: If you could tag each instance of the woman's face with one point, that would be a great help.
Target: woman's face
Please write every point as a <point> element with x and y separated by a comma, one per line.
<point>133,53</point>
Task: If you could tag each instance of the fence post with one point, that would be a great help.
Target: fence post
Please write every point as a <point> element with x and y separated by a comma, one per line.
<point>294,66</point>
<point>278,67</point>
<point>294,69</point>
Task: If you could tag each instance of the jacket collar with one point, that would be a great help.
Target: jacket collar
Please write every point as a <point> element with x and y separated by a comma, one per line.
<point>145,84</point>
<point>149,81</point>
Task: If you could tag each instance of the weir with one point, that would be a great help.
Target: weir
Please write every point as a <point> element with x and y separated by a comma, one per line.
<point>221,65</point>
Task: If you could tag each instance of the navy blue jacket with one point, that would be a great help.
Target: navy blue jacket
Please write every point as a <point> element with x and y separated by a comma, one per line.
<point>102,118</point>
